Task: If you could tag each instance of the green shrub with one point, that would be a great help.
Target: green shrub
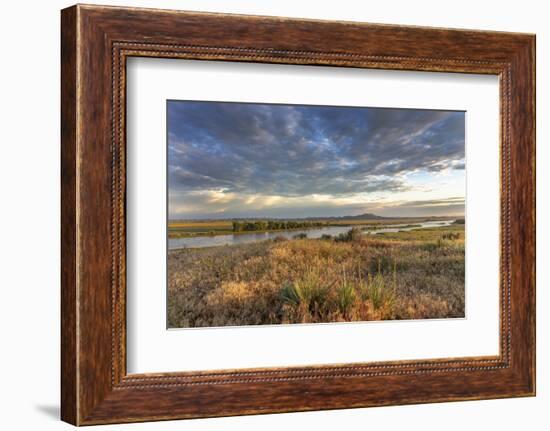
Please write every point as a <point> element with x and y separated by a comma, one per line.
<point>352,235</point>
<point>430,246</point>
<point>451,235</point>
<point>381,264</point>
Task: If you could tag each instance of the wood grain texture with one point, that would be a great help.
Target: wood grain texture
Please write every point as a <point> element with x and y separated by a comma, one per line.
<point>69,397</point>
<point>96,41</point>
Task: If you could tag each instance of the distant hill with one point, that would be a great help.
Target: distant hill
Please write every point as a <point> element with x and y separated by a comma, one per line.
<point>365,216</point>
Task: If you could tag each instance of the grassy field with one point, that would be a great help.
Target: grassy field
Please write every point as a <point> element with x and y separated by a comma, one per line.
<point>355,277</point>
<point>193,228</point>
<point>199,228</point>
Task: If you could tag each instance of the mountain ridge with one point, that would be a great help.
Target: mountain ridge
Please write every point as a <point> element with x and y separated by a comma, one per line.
<point>364,216</point>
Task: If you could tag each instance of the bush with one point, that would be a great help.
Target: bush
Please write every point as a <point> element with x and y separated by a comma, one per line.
<point>381,264</point>
<point>352,235</point>
<point>300,236</point>
<point>260,225</point>
<point>431,246</point>
<point>451,235</point>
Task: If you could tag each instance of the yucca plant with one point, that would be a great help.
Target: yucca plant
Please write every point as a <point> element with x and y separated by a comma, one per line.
<point>290,295</point>
<point>375,290</point>
<point>346,296</point>
<point>346,299</point>
<point>308,293</point>
<point>378,291</point>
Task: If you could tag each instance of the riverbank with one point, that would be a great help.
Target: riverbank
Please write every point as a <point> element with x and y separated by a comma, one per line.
<point>314,233</point>
<point>176,234</point>
<point>198,228</point>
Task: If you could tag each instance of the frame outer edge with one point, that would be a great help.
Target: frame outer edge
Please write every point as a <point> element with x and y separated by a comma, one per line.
<point>523,217</point>
<point>69,201</point>
<point>533,53</point>
<point>532,101</point>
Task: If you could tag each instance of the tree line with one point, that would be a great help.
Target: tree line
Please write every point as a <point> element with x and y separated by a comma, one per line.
<point>246,226</point>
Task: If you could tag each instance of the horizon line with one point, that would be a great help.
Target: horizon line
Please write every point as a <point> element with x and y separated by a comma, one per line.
<point>315,217</point>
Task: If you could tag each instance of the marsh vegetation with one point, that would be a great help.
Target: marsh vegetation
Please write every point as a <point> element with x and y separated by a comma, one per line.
<point>352,276</point>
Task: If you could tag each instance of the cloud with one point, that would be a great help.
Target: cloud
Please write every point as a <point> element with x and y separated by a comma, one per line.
<point>292,151</point>
<point>218,204</point>
<point>431,202</point>
<point>447,206</point>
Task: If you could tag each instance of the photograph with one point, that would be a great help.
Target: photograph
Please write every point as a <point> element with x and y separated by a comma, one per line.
<point>286,214</point>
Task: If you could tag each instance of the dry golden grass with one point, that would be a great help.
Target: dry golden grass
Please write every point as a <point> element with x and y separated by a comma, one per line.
<point>406,275</point>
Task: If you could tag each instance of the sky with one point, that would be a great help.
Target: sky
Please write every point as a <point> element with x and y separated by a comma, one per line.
<point>229,160</point>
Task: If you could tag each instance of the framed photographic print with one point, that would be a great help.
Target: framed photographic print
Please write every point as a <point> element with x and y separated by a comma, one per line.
<point>266,215</point>
<point>267,221</point>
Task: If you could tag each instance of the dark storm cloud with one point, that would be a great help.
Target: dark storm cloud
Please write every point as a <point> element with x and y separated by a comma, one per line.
<point>302,150</point>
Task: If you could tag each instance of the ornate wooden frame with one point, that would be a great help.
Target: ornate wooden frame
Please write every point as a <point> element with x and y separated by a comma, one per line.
<point>95,42</point>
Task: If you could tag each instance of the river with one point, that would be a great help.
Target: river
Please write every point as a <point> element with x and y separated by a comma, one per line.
<point>243,238</point>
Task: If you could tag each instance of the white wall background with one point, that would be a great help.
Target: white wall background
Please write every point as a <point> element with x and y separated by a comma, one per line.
<point>29,216</point>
